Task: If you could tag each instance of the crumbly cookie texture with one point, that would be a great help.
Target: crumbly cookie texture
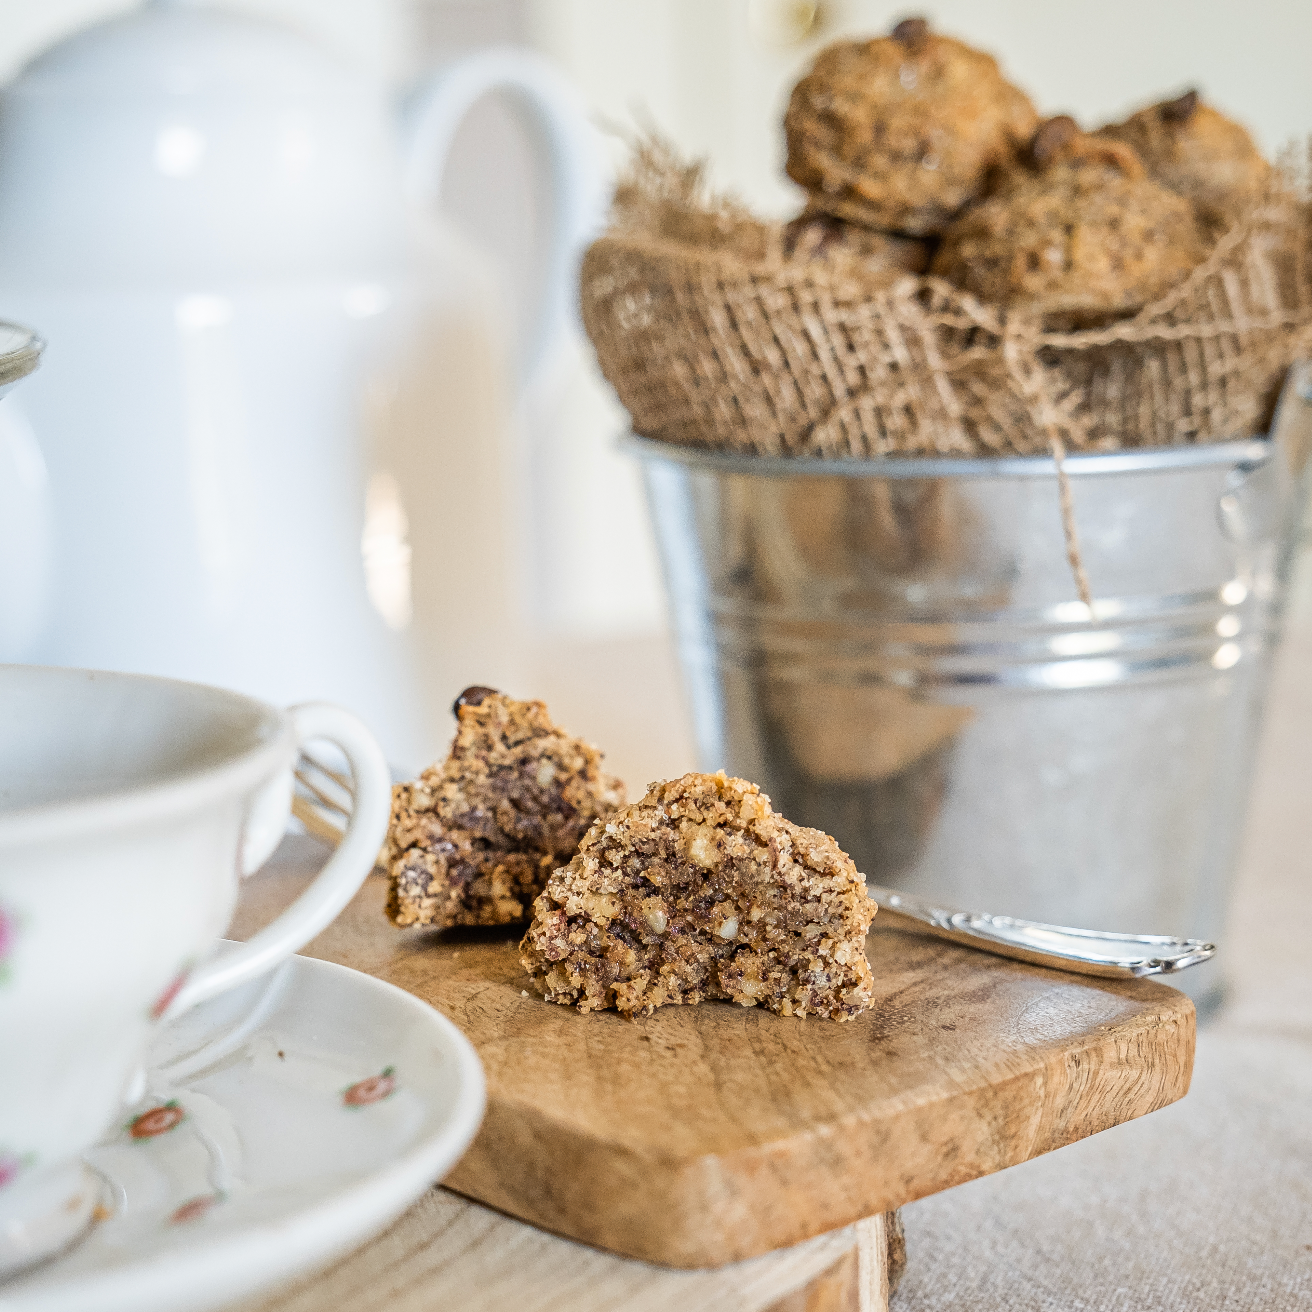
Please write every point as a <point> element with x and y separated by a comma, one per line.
<point>701,891</point>
<point>1198,153</point>
<point>1077,233</point>
<point>473,840</point>
<point>900,132</point>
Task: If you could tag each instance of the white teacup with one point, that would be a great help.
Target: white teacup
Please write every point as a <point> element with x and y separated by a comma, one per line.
<point>129,808</point>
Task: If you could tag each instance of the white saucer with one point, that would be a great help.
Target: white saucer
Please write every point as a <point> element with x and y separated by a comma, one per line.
<point>284,1123</point>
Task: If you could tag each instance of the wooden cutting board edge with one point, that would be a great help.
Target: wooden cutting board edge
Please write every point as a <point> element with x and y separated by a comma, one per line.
<point>518,1132</point>
<point>720,1206</point>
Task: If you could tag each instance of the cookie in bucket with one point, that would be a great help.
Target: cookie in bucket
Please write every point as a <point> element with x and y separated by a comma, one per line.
<point>1198,152</point>
<point>1077,233</point>
<point>900,132</point>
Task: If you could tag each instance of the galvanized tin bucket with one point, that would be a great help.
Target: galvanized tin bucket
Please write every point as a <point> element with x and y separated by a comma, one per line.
<point>892,650</point>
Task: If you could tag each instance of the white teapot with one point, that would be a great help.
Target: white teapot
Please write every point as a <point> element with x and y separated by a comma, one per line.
<point>213,225</point>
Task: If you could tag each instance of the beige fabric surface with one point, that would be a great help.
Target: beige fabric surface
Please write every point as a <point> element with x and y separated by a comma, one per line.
<point>1207,1205</point>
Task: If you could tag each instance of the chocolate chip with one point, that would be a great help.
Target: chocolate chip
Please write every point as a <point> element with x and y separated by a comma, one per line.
<point>1181,109</point>
<point>474,695</point>
<point>814,234</point>
<point>461,873</point>
<point>910,31</point>
<point>1051,136</point>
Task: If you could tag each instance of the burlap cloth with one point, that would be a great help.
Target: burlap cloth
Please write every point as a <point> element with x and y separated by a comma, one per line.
<point>1203,1207</point>
<point>714,335</point>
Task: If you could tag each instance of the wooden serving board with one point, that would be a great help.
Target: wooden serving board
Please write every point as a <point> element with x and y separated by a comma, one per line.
<point>705,1135</point>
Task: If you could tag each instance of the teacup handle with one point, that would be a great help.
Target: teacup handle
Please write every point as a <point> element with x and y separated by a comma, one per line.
<point>335,884</point>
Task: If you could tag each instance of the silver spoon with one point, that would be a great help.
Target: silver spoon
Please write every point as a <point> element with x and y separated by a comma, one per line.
<point>1089,951</point>
<point>1084,951</point>
<point>323,798</point>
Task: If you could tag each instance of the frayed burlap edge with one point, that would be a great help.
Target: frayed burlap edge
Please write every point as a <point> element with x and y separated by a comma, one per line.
<point>714,338</point>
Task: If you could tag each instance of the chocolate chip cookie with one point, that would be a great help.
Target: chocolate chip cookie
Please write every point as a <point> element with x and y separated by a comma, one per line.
<point>473,840</point>
<point>1076,232</point>
<point>823,239</point>
<point>1198,153</point>
<point>900,132</point>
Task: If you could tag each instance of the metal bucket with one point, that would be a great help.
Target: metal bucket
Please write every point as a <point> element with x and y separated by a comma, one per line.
<point>892,649</point>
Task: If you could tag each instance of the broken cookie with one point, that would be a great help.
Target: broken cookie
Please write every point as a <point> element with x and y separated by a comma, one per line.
<point>701,891</point>
<point>473,840</point>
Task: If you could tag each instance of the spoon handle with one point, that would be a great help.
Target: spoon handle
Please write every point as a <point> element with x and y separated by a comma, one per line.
<point>1084,951</point>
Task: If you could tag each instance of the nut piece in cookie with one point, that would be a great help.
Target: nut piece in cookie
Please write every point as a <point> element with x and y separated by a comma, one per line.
<point>472,840</point>
<point>1076,232</point>
<point>900,132</point>
<point>701,891</point>
<point>1197,152</point>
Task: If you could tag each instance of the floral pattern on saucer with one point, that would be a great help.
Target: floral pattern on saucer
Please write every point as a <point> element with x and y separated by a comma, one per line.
<point>165,999</point>
<point>157,1121</point>
<point>374,1089</point>
<point>8,937</point>
<point>194,1209</point>
<point>12,1165</point>
<point>244,1152</point>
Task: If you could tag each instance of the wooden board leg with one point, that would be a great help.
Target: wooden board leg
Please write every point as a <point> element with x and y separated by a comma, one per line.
<point>896,1239</point>
<point>447,1252</point>
<point>863,1279</point>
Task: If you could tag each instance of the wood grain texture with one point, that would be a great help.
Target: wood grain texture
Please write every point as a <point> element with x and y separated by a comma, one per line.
<point>706,1135</point>
<point>451,1254</point>
<point>834,1290</point>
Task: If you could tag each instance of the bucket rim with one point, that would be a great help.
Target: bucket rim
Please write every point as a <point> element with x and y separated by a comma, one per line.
<point>1247,452</point>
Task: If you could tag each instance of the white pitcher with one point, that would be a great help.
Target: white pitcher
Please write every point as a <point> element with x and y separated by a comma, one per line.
<point>213,224</point>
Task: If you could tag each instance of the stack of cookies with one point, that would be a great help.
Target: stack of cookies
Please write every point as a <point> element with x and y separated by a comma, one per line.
<point>965,277</point>
<point>919,137</point>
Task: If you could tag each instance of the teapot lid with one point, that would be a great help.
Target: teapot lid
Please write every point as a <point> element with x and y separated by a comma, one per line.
<point>180,144</point>
<point>183,49</point>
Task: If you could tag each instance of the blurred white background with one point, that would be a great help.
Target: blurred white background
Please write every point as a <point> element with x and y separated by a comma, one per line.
<point>714,75</point>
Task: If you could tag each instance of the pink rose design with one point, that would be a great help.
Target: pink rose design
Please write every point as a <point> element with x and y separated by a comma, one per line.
<point>165,999</point>
<point>374,1089</point>
<point>8,936</point>
<point>194,1209</point>
<point>9,1168</point>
